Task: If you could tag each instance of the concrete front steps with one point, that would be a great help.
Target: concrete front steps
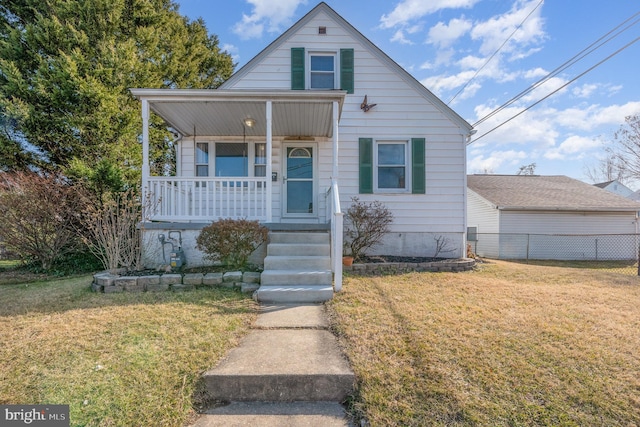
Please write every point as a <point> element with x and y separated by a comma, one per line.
<point>297,268</point>
<point>289,371</point>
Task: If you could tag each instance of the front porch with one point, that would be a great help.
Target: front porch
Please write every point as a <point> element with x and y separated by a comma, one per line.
<point>270,156</point>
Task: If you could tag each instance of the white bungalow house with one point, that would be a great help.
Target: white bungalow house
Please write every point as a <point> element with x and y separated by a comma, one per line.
<point>549,217</point>
<point>319,116</point>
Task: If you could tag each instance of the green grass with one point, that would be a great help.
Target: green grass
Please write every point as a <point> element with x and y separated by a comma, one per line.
<point>118,359</point>
<point>508,345</point>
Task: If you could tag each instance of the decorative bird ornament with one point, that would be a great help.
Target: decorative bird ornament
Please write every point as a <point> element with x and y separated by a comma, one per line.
<point>366,106</point>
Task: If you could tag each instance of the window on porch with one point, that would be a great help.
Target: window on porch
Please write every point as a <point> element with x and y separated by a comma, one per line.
<point>231,159</point>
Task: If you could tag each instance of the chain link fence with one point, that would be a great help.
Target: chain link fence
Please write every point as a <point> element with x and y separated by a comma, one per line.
<point>615,252</point>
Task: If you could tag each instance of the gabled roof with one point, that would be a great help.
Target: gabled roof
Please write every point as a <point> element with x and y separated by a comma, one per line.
<point>603,184</point>
<point>323,7</point>
<point>557,193</point>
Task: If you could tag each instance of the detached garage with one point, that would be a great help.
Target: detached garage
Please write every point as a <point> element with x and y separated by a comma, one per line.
<point>548,217</point>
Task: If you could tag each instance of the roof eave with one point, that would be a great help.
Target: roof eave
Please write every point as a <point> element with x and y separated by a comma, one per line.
<point>567,209</point>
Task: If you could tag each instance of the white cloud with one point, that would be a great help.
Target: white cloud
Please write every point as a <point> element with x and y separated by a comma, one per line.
<point>494,160</point>
<point>573,145</point>
<point>272,14</point>
<point>438,84</point>
<point>493,32</point>
<point>400,38</point>
<point>444,35</point>
<point>231,50</point>
<point>535,73</point>
<point>590,117</point>
<point>584,91</point>
<point>409,10</point>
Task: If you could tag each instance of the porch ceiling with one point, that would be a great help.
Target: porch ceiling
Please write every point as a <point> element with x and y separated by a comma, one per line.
<point>222,113</point>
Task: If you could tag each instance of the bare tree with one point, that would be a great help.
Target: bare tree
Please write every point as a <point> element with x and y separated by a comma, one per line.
<point>621,161</point>
<point>627,146</point>
<point>529,169</point>
<point>607,169</point>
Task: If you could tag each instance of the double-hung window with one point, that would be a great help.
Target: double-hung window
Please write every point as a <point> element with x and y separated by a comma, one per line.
<point>322,70</point>
<point>392,166</point>
<point>391,159</point>
<point>318,70</point>
<point>202,159</point>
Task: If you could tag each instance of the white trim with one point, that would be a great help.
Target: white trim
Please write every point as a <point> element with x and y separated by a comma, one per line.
<point>269,154</point>
<point>336,126</point>
<point>146,170</point>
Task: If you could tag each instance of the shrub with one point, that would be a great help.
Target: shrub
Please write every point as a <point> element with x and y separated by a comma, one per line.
<point>366,224</point>
<point>39,216</point>
<point>231,241</point>
<point>110,228</point>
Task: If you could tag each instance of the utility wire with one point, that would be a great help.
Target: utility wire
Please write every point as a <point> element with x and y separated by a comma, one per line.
<point>558,89</point>
<point>495,53</point>
<point>579,56</point>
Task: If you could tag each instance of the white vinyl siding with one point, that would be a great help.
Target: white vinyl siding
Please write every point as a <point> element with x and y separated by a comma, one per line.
<point>402,112</point>
<point>567,222</point>
<point>484,216</point>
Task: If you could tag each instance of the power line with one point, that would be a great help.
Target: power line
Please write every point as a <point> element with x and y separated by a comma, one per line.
<point>494,53</point>
<point>579,56</point>
<point>558,89</point>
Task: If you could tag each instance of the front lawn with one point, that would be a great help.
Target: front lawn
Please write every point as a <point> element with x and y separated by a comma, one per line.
<point>507,345</point>
<point>117,359</point>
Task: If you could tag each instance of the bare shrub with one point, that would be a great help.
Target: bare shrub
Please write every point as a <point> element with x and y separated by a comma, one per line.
<point>231,241</point>
<point>367,223</point>
<point>111,229</point>
<point>38,216</point>
<point>442,246</point>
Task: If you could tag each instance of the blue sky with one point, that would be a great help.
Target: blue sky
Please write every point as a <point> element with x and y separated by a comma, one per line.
<point>443,44</point>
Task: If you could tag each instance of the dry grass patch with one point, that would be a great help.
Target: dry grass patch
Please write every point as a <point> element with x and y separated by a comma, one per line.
<point>116,359</point>
<point>510,344</point>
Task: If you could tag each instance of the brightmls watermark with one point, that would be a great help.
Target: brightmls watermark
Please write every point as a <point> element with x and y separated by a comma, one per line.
<point>34,415</point>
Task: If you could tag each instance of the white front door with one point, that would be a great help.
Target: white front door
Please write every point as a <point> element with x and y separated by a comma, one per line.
<point>299,180</point>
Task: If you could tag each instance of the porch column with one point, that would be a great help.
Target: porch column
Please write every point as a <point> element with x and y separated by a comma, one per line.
<point>145,146</point>
<point>269,160</point>
<point>336,112</point>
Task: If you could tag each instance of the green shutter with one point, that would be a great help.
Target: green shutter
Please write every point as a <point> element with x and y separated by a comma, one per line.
<point>346,70</point>
<point>417,166</point>
<point>297,68</point>
<point>366,165</point>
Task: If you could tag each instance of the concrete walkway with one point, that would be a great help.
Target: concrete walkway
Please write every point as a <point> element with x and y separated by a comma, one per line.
<point>288,371</point>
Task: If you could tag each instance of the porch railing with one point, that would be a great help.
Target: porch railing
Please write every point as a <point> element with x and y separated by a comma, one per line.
<point>207,199</point>
<point>337,229</point>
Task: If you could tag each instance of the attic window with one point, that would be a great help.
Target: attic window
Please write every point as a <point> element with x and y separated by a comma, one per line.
<point>322,30</point>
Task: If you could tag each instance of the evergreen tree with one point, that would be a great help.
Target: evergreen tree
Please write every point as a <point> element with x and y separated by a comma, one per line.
<point>66,67</point>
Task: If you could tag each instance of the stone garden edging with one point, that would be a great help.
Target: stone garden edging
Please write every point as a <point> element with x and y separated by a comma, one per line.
<point>249,281</point>
<point>448,265</point>
<point>107,282</point>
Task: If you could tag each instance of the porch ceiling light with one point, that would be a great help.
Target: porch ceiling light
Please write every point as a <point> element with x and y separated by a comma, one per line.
<point>249,122</point>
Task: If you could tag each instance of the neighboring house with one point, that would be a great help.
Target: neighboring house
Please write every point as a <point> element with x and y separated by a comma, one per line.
<point>321,114</point>
<point>616,187</point>
<point>508,214</point>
